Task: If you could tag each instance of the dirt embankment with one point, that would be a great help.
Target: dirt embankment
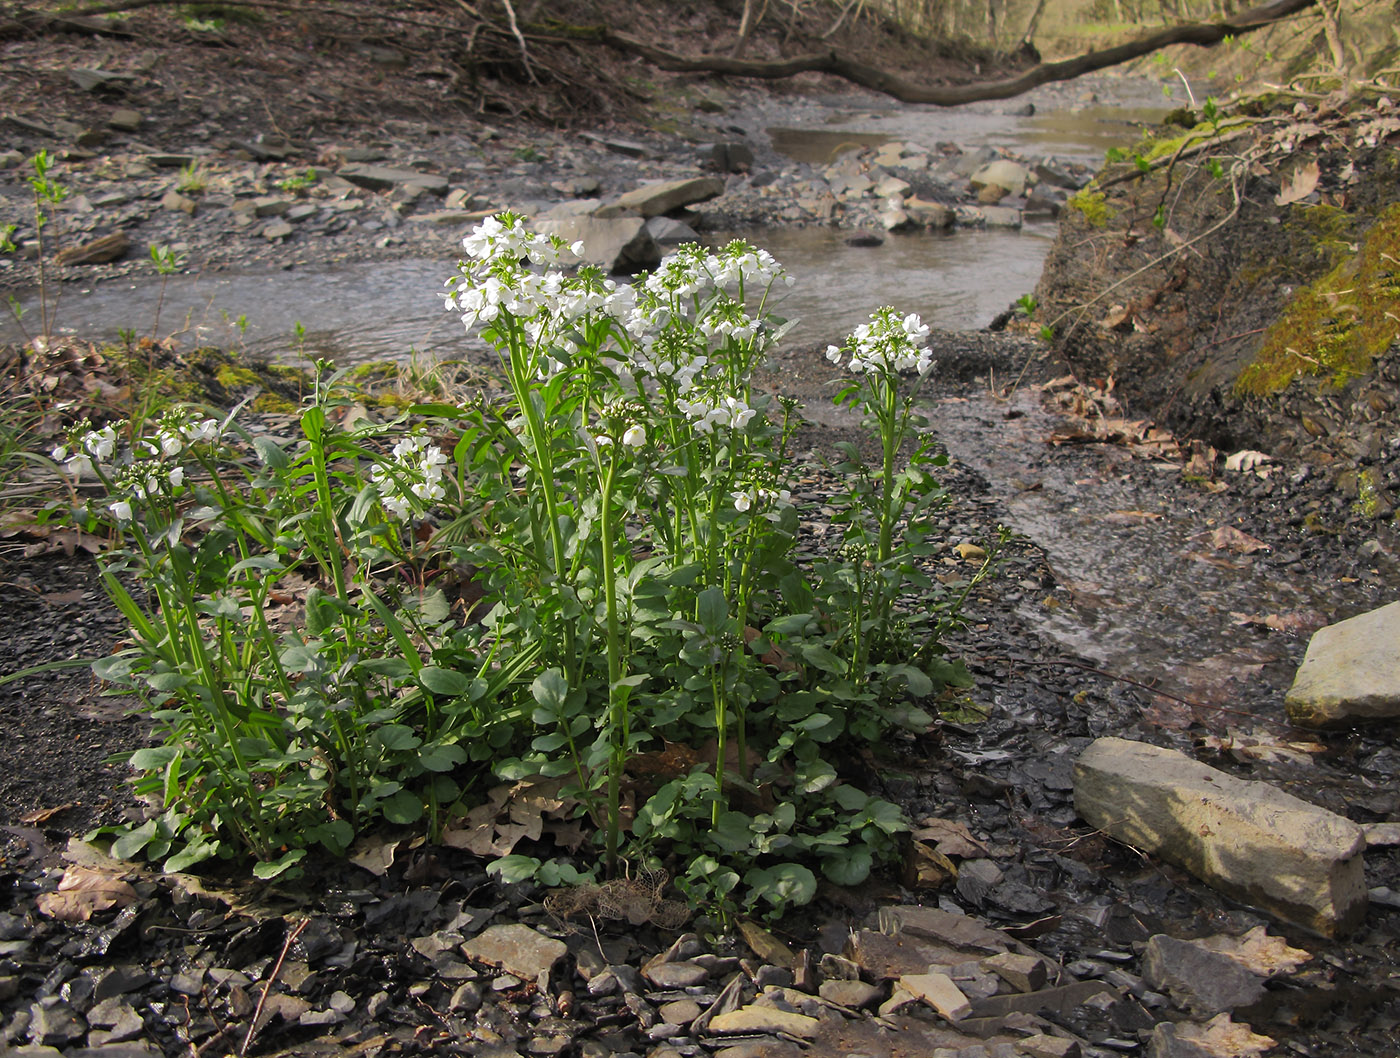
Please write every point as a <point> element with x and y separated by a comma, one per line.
<point>1240,280</point>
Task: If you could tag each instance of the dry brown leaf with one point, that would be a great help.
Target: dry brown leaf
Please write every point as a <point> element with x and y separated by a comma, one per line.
<point>1222,1037</point>
<point>82,892</point>
<point>43,815</point>
<point>1300,185</point>
<point>1296,622</point>
<point>1227,537</point>
<point>1262,745</point>
<point>927,868</point>
<point>374,854</point>
<point>1130,517</point>
<point>950,838</point>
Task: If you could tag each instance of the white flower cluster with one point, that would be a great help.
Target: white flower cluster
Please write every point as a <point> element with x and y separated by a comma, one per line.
<point>499,275</point>
<point>418,464</point>
<point>888,344</point>
<point>730,412</point>
<point>745,500</point>
<point>84,447</point>
<point>140,482</point>
<point>692,305</point>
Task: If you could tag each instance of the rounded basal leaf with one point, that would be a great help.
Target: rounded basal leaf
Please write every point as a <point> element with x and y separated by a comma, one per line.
<point>850,866</point>
<point>784,885</point>
<point>403,808</point>
<point>446,682</point>
<point>514,868</point>
<point>266,869</point>
<point>190,855</point>
<point>441,758</point>
<point>550,689</point>
<point>816,655</point>
<point>392,737</point>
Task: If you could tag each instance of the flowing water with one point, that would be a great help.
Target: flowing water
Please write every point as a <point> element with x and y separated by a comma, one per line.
<point>371,311</point>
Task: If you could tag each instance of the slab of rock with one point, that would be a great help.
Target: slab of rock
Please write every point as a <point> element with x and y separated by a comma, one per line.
<point>125,120</point>
<point>850,993</point>
<point>884,958</point>
<point>928,214</point>
<point>939,992</point>
<point>100,251</point>
<point>652,200</point>
<point>616,244</point>
<point>1043,1046</point>
<point>1248,839</point>
<point>1002,173</point>
<point>1205,981</point>
<point>1351,671</point>
<point>1218,1038</point>
<point>756,1018</point>
<point>1001,217</point>
<point>92,80</point>
<point>178,203</point>
<point>517,949</point>
<point>383,178</point>
<point>1025,973</point>
<point>731,156</point>
<point>957,931</point>
<point>1058,1000</point>
<point>670,233</point>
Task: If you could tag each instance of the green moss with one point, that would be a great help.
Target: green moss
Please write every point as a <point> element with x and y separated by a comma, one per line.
<point>1093,205</point>
<point>1335,327</point>
<point>270,403</point>
<point>1368,495</point>
<point>232,376</point>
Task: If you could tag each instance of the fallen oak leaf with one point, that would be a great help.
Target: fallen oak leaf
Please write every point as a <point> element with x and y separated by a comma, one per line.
<point>43,815</point>
<point>82,892</point>
<point>1302,184</point>
<point>1227,537</point>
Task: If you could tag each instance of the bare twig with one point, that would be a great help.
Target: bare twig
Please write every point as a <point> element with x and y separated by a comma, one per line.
<point>296,932</point>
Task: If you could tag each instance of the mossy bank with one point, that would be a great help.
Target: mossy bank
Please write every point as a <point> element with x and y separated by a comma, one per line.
<point>1243,286</point>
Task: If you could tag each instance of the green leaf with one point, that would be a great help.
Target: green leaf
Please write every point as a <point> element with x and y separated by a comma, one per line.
<point>190,855</point>
<point>788,625</point>
<point>550,689</point>
<point>394,737</point>
<point>733,833</point>
<point>817,655</point>
<point>442,758</point>
<point>514,868</point>
<point>403,808</point>
<point>784,885</point>
<point>168,681</point>
<point>915,680</point>
<point>850,866</point>
<point>154,758</point>
<point>272,868</point>
<point>712,610</point>
<point>133,841</point>
<point>271,453</point>
<point>446,682</point>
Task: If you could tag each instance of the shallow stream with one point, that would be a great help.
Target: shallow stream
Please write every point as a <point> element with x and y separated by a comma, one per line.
<point>371,311</point>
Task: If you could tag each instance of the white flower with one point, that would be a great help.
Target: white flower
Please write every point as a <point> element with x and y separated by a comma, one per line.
<point>833,353</point>
<point>742,501</point>
<point>636,436</point>
<point>122,510</point>
<point>177,476</point>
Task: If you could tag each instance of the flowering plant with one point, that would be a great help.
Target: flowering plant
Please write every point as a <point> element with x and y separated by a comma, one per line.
<point>627,516</point>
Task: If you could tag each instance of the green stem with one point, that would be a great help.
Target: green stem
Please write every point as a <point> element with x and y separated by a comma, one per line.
<point>618,733</point>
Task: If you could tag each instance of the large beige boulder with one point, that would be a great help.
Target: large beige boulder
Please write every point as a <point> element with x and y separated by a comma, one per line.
<point>1247,839</point>
<point>1350,672</point>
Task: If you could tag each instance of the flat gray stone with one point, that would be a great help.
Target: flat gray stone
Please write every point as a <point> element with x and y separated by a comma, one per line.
<point>616,244</point>
<point>939,992</point>
<point>676,975</point>
<point>652,200</point>
<point>1001,216</point>
<point>517,949</point>
<point>854,994</point>
<point>1248,839</point>
<point>125,120</point>
<point>1205,981</point>
<point>383,178</point>
<point>1351,671</point>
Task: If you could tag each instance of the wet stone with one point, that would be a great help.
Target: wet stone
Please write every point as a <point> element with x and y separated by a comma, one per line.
<point>1206,981</point>
<point>851,993</point>
<point>55,1023</point>
<point>676,974</point>
<point>465,1000</point>
<point>680,1011</point>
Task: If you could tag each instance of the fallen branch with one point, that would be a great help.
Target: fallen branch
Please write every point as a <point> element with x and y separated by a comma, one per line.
<point>1203,34</point>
